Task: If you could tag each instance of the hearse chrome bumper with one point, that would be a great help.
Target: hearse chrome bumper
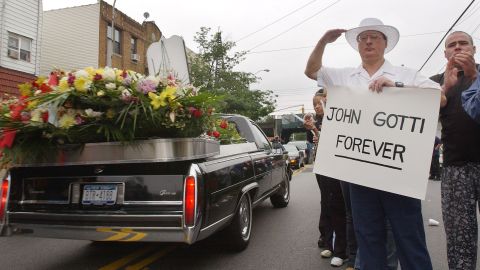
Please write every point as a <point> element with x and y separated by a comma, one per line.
<point>127,228</point>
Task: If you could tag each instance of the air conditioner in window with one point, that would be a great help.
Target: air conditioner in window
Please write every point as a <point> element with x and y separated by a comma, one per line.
<point>135,57</point>
<point>13,54</point>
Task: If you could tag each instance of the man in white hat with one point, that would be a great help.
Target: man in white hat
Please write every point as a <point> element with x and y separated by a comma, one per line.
<point>371,207</point>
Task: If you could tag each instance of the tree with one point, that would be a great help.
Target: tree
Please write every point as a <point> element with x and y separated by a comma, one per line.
<point>212,69</point>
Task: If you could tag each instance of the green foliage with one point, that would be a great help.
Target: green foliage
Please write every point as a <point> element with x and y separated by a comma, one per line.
<point>212,68</point>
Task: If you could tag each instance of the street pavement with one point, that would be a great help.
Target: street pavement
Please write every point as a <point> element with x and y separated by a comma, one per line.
<point>281,239</point>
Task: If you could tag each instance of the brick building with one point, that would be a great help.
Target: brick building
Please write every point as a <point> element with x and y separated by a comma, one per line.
<point>79,37</point>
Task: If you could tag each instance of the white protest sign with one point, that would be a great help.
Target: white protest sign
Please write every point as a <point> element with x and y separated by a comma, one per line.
<point>379,140</point>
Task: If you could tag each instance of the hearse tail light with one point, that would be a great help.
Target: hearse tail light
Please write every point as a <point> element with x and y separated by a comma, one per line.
<point>3,198</point>
<point>190,198</point>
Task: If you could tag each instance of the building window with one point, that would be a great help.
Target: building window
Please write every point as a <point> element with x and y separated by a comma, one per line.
<point>19,47</point>
<point>117,44</point>
<point>133,49</point>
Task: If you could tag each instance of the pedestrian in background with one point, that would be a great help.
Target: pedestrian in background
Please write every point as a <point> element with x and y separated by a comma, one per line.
<point>471,100</point>
<point>370,207</point>
<point>461,154</point>
<point>435,164</point>
<point>332,223</point>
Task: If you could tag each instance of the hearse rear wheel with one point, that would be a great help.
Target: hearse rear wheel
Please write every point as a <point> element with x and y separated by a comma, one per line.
<point>238,233</point>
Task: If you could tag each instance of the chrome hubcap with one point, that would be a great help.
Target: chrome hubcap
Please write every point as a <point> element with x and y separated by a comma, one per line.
<point>244,213</point>
<point>286,188</point>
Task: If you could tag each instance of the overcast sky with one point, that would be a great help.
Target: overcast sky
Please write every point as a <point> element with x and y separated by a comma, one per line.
<point>290,29</point>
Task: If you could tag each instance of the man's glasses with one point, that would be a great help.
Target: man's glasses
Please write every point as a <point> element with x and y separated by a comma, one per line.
<point>373,37</point>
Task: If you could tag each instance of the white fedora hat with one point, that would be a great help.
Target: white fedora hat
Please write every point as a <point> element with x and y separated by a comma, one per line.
<point>373,24</point>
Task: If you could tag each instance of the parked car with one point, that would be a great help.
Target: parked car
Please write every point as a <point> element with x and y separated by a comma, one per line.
<point>161,190</point>
<point>306,148</point>
<point>295,156</point>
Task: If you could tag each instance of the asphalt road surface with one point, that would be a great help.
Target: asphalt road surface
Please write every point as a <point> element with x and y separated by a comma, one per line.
<point>281,239</point>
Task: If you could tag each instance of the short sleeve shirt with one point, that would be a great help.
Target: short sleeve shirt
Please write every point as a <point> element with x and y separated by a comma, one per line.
<point>359,76</point>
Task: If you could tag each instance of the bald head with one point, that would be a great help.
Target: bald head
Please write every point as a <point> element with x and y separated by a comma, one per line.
<point>459,33</point>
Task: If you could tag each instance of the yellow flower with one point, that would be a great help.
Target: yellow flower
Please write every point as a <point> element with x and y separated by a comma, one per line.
<point>63,85</point>
<point>91,71</point>
<point>82,84</point>
<point>110,113</point>
<point>66,121</point>
<point>162,99</point>
<point>25,89</point>
<point>32,104</point>
<point>41,80</point>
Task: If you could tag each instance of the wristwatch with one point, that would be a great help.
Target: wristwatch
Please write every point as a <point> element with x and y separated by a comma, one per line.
<point>399,84</point>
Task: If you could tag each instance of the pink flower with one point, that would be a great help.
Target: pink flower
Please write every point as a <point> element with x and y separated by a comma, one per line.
<point>145,86</point>
<point>53,79</point>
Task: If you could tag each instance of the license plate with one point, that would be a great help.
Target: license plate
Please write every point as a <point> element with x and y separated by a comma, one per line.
<point>99,194</point>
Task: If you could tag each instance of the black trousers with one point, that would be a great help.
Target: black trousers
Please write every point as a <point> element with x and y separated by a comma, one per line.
<point>351,238</point>
<point>332,215</point>
<point>435,168</point>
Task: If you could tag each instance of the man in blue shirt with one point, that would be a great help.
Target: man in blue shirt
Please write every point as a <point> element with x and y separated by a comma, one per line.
<point>471,100</point>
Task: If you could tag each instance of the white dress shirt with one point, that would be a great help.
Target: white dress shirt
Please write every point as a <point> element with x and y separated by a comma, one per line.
<point>359,76</point>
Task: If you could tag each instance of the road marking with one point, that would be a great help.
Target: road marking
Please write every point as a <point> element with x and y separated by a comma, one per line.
<point>125,260</point>
<point>149,260</point>
<point>298,171</point>
<point>117,235</point>
<point>122,234</point>
<point>136,237</point>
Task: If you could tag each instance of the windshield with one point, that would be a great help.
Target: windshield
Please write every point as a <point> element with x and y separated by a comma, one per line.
<point>300,144</point>
<point>291,148</point>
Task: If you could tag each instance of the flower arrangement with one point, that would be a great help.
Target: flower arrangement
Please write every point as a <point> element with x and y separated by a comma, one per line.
<point>225,132</point>
<point>95,105</point>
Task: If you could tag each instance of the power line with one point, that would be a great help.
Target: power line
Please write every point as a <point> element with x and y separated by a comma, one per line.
<point>296,25</point>
<point>438,45</point>
<point>283,17</point>
<point>477,6</point>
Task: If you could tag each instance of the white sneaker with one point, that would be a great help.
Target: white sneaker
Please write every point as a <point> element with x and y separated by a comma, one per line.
<point>336,261</point>
<point>326,253</point>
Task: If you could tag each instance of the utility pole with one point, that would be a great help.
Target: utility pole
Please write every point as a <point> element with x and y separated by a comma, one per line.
<point>110,59</point>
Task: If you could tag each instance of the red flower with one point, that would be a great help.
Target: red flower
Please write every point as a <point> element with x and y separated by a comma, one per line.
<point>97,77</point>
<point>45,116</point>
<point>224,124</point>
<point>16,111</point>
<point>8,137</point>
<point>71,79</point>
<point>209,133</point>
<point>45,88</point>
<point>216,134</point>
<point>197,113</point>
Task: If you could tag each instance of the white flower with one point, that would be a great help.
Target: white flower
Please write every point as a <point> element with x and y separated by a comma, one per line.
<point>109,74</point>
<point>172,116</point>
<point>126,93</point>
<point>101,93</point>
<point>82,74</point>
<point>92,113</point>
<point>111,86</point>
<point>154,79</point>
<point>36,115</point>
